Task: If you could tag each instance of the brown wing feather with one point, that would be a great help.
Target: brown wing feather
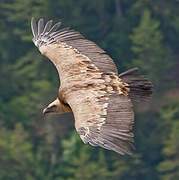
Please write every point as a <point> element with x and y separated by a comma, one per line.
<point>90,85</point>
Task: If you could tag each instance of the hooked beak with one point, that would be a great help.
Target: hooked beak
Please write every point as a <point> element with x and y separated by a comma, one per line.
<point>46,110</point>
<point>51,109</point>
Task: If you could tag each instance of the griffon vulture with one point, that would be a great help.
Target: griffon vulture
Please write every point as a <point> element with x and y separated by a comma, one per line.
<point>90,87</point>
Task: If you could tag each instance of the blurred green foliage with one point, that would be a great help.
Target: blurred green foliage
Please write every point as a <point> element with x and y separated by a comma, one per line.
<point>142,33</point>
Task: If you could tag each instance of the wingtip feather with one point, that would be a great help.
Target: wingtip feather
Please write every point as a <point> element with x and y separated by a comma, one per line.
<point>40,26</point>
<point>34,27</point>
<point>47,26</point>
<point>55,27</point>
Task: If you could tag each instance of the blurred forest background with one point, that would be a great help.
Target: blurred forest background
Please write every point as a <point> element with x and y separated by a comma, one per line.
<point>142,33</point>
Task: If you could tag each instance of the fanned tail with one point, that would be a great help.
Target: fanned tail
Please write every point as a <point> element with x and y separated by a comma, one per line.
<point>140,87</point>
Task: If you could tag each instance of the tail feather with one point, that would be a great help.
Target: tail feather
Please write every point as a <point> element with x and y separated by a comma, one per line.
<point>140,87</point>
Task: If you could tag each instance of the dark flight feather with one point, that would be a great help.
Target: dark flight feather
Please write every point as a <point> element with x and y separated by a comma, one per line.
<point>34,27</point>
<point>140,87</point>
<point>40,26</point>
<point>47,27</point>
<point>55,27</point>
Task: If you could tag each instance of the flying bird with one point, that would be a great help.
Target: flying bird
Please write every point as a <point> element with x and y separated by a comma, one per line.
<point>101,99</point>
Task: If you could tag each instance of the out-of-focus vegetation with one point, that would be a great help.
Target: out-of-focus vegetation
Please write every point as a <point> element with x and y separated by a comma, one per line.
<point>142,33</point>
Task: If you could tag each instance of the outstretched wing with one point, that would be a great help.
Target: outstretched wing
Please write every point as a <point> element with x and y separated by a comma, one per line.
<point>90,85</point>
<point>47,36</point>
<point>103,119</point>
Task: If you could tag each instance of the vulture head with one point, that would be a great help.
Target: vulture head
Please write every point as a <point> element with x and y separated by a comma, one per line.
<point>57,107</point>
